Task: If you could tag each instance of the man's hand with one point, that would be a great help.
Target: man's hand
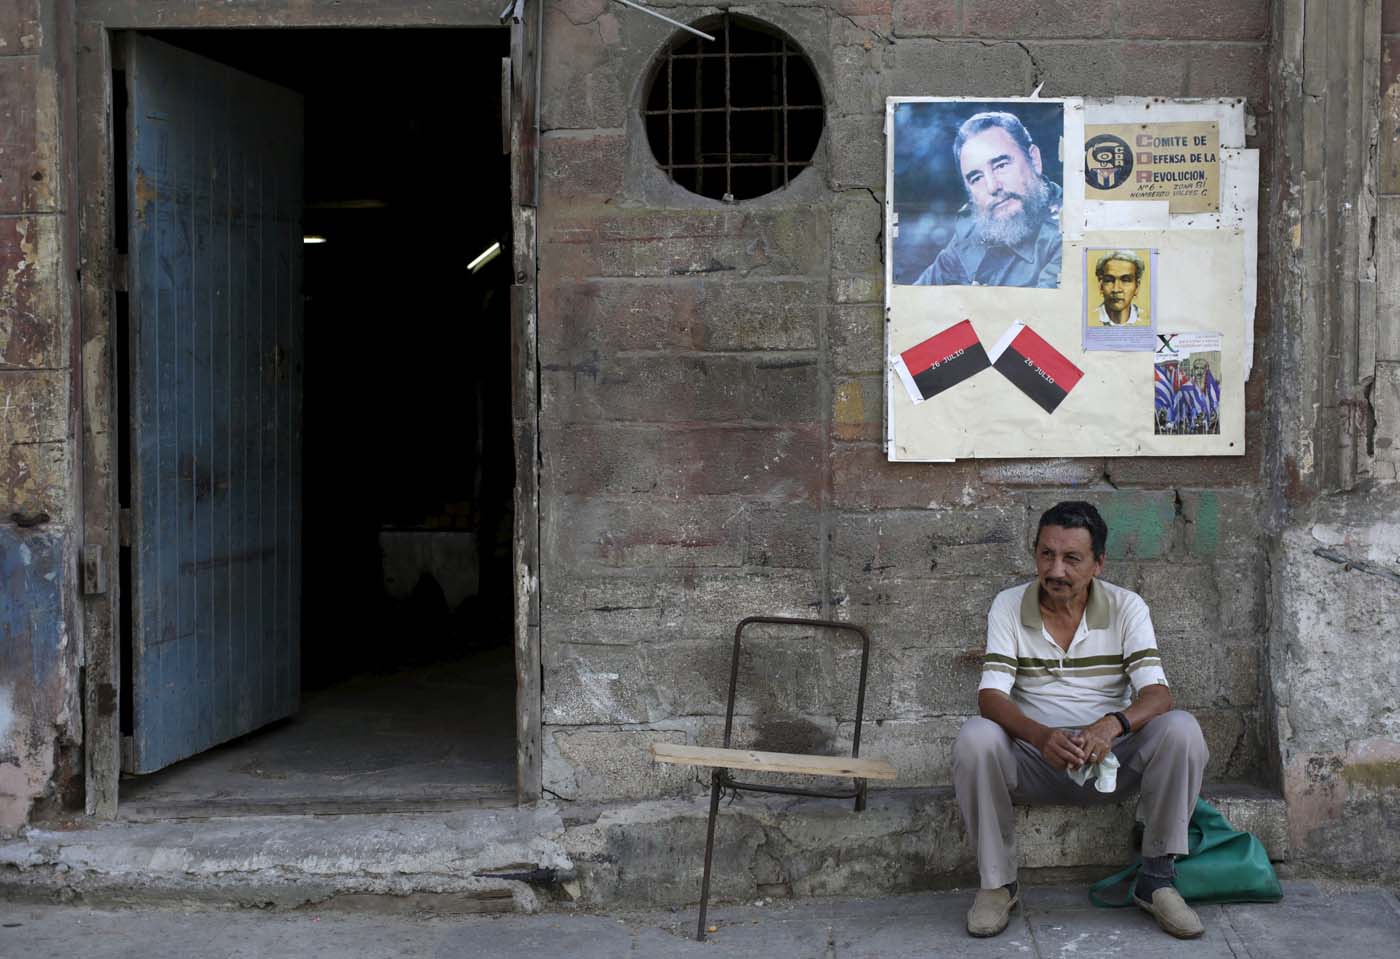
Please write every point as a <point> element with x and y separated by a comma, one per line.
<point>1060,749</point>
<point>1097,740</point>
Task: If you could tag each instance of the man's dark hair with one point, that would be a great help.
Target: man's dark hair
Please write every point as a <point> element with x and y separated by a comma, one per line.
<point>1076,514</point>
<point>978,122</point>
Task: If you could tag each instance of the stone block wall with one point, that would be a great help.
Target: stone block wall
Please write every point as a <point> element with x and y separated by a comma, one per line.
<point>1335,606</point>
<point>1385,445</point>
<point>1335,672</point>
<point>40,722</point>
<point>711,402</point>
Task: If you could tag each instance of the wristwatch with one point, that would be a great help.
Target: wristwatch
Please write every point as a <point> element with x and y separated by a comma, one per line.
<point>1122,721</point>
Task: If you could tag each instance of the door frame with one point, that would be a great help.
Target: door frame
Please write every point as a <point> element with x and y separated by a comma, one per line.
<point>102,274</point>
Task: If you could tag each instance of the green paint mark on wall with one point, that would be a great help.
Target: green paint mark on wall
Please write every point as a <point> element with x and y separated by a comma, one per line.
<point>1203,535</point>
<point>1139,525</point>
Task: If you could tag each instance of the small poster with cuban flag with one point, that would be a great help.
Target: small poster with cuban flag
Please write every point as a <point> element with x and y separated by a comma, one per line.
<point>1186,375</point>
<point>1036,368</point>
<point>941,361</point>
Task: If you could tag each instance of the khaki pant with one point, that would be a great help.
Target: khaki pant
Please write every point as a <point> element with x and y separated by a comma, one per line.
<point>1165,759</point>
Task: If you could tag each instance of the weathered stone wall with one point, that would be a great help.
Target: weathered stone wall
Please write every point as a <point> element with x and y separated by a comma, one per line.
<point>1334,661</point>
<point>1383,461</point>
<point>1336,671</point>
<point>711,389</point>
<point>40,721</point>
<point>711,405</point>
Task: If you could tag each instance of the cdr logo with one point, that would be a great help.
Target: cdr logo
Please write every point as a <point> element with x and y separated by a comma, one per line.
<point>1108,162</point>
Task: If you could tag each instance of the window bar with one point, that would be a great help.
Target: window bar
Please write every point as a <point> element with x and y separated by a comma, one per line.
<point>670,112</point>
<point>770,109</point>
<point>728,118</point>
<point>737,55</point>
<point>783,66</point>
<point>699,146</point>
<point>756,164</point>
<point>775,119</point>
<point>780,116</point>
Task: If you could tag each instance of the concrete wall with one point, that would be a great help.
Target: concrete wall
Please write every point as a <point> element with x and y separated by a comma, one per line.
<point>1335,604</point>
<point>710,430</point>
<point>711,405</point>
<point>1336,670</point>
<point>40,723</point>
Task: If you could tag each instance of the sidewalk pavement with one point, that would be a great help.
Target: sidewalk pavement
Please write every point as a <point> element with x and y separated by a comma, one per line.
<point>1314,921</point>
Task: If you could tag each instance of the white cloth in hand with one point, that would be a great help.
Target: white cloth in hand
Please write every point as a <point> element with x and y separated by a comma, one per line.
<point>1105,773</point>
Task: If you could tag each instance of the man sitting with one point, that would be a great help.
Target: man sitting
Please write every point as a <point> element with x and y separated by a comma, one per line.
<point>1064,653</point>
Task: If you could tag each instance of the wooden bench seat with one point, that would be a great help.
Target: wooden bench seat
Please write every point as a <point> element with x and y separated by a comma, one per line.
<point>752,759</point>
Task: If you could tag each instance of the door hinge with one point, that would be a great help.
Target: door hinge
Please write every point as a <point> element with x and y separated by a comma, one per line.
<point>119,278</point>
<point>94,570</point>
<point>124,527</point>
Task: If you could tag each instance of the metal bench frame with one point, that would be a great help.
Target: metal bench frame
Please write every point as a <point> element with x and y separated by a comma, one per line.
<point>720,779</point>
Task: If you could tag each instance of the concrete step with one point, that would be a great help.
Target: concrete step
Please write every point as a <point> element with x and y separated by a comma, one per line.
<point>905,840</point>
<point>418,863</point>
<point>632,854</point>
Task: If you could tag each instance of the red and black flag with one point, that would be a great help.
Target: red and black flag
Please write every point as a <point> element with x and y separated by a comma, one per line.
<point>1037,368</point>
<point>941,361</point>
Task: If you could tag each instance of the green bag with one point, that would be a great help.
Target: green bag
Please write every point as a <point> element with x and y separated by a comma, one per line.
<point>1224,865</point>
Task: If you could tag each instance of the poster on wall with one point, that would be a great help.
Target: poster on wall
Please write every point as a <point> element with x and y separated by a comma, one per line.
<point>1175,162</point>
<point>1119,307</point>
<point>941,362</point>
<point>1186,372</point>
<point>978,192</point>
<point>1118,324</point>
<point>1035,367</point>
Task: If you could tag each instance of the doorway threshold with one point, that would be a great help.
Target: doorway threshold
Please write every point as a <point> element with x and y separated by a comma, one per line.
<point>170,810</point>
<point>432,738</point>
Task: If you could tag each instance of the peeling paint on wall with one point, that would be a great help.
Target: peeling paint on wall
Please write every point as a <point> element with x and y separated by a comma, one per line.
<point>34,660</point>
<point>7,723</point>
<point>1335,670</point>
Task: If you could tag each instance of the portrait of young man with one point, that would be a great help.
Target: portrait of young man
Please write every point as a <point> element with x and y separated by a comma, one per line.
<point>978,189</point>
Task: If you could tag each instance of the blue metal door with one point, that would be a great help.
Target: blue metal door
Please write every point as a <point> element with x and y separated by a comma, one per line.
<point>214,277</point>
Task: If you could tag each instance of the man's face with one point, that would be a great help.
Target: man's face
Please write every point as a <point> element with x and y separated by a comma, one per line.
<point>1065,563</point>
<point>1118,284</point>
<point>999,175</point>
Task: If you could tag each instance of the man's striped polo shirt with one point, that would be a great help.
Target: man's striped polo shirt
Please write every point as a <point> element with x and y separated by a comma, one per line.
<point>1113,654</point>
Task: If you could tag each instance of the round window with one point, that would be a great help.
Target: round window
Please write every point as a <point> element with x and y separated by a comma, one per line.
<point>736,117</point>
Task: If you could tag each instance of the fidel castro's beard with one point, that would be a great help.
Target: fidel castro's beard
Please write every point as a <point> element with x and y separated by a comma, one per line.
<point>1035,206</point>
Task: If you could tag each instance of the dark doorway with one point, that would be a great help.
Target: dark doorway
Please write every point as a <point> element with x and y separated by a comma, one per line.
<point>406,605</point>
